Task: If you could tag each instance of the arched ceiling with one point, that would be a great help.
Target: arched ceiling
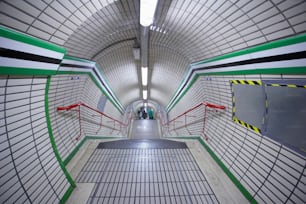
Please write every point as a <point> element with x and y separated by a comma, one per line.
<point>183,32</point>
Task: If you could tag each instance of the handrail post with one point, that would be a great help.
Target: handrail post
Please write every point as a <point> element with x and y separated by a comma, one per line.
<point>205,105</point>
<point>80,124</point>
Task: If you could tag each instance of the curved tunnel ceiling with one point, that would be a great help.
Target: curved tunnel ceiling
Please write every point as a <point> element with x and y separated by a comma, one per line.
<point>183,32</point>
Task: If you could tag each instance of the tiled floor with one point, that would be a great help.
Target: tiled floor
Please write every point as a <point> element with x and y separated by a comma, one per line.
<point>145,175</point>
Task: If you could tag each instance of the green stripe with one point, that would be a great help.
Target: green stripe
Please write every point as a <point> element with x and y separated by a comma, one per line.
<point>105,81</point>
<point>275,44</point>
<point>97,84</point>
<point>242,189</point>
<point>78,59</point>
<point>66,195</point>
<point>74,151</point>
<point>14,35</point>
<point>77,148</point>
<point>287,70</point>
<point>44,72</point>
<point>193,80</point>
<point>25,71</point>
<point>53,144</point>
<point>284,42</point>
<point>103,137</point>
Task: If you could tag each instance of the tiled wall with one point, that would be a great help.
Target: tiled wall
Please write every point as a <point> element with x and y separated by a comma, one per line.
<point>30,172</point>
<point>31,157</point>
<point>271,172</point>
<point>71,89</point>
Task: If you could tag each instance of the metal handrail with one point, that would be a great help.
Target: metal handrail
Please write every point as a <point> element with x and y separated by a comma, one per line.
<point>205,104</point>
<point>78,106</point>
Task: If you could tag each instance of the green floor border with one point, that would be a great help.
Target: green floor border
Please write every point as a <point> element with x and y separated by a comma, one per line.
<point>242,189</point>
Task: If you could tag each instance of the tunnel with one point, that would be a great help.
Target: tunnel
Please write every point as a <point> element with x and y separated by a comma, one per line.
<point>152,101</point>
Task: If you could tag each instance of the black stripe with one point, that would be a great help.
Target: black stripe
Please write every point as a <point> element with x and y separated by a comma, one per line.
<point>256,82</point>
<point>76,66</point>
<point>109,92</point>
<point>27,56</point>
<point>290,56</point>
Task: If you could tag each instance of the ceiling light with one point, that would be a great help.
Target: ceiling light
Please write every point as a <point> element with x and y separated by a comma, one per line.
<point>147,10</point>
<point>144,76</point>
<point>145,94</point>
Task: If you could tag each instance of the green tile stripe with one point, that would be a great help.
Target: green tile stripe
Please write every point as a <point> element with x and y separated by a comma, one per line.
<point>77,148</point>
<point>45,72</point>
<point>21,37</point>
<point>66,195</point>
<point>118,106</point>
<point>14,35</point>
<point>109,87</point>
<point>266,46</point>
<point>279,43</point>
<point>231,176</point>
<point>78,59</point>
<point>287,70</point>
<point>54,147</point>
<point>26,71</point>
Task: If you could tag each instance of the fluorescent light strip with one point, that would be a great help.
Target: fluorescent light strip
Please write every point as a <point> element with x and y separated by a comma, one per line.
<point>144,76</point>
<point>145,94</point>
<point>147,10</point>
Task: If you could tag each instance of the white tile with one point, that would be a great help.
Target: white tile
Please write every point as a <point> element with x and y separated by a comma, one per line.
<point>61,9</point>
<point>38,33</point>
<point>300,27</point>
<point>287,5</point>
<point>38,4</point>
<point>265,15</point>
<point>45,27</point>
<point>85,11</point>
<point>10,10</point>
<point>49,20</point>
<point>280,34</point>
<point>55,14</point>
<point>276,27</point>
<point>25,7</point>
<point>8,21</point>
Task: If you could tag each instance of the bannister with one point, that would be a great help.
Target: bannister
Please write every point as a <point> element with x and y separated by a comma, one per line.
<point>171,124</point>
<point>112,120</point>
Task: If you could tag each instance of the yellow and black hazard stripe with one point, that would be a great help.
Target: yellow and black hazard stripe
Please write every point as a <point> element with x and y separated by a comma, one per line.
<point>234,103</point>
<point>244,124</point>
<point>247,82</point>
<point>287,85</point>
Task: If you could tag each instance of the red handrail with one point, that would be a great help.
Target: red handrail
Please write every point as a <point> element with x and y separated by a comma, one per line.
<point>78,105</point>
<point>205,104</point>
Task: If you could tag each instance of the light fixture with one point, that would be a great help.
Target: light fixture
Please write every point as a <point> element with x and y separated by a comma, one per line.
<point>147,10</point>
<point>145,94</point>
<point>144,76</point>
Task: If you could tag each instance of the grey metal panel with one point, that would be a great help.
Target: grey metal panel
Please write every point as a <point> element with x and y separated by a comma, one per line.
<point>250,104</point>
<point>286,117</point>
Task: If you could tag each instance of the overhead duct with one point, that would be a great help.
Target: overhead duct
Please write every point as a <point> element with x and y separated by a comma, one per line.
<point>144,45</point>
